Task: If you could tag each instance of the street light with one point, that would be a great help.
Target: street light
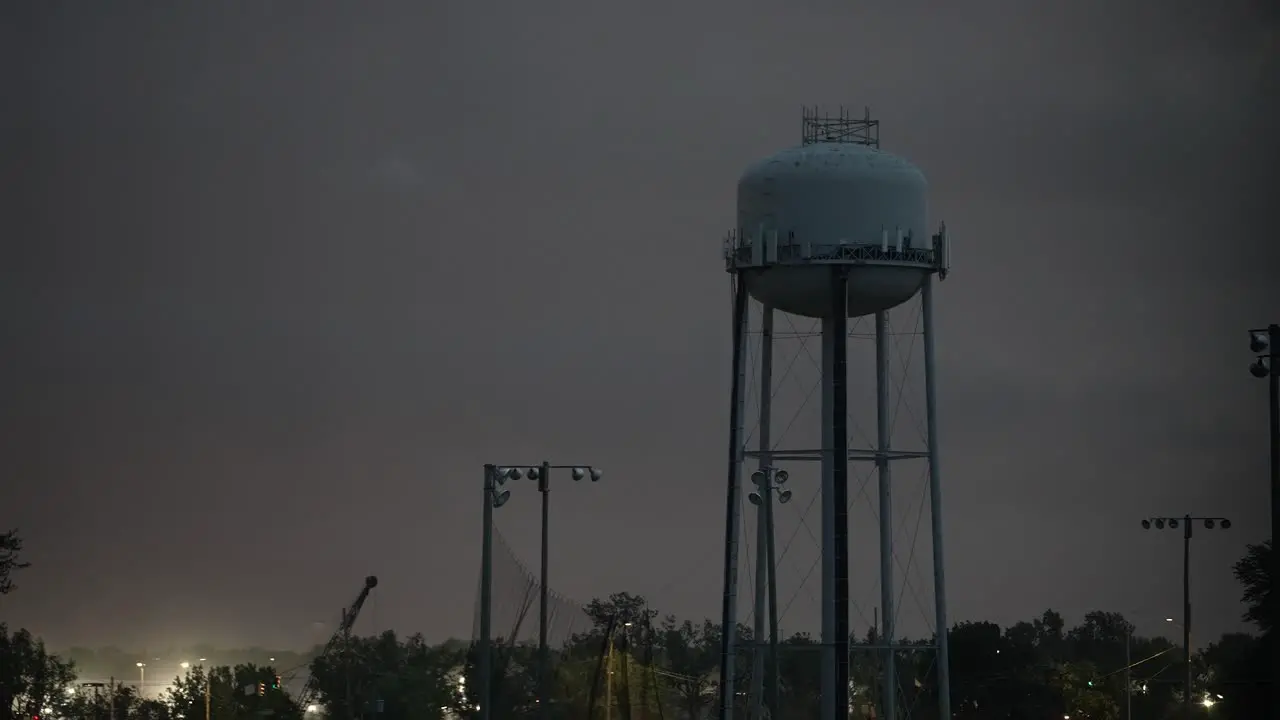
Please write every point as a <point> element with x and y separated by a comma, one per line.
<point>1265,345</point>
<point>1187,523</point>
<point>494,477</point>
<point>142,677</point>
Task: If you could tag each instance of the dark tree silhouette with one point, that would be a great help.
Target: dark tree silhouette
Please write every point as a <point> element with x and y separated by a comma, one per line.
<point>1254,573</point>
<point>10,548</point>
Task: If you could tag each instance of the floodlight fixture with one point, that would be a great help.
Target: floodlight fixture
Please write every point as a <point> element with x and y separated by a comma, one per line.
<point>579,473</point>
<point>533,472</point>
<point>500,499</point>
<point>1261,367</point>
<point>780,477</point>
<point>1173,523</point>
<point>1259,342</point>
<point>754,498</point>
<point>596,474</point>
<point>784,496</point>
<point>758,477</point>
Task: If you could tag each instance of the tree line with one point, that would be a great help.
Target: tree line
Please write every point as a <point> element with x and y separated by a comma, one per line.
<point>644,666</point>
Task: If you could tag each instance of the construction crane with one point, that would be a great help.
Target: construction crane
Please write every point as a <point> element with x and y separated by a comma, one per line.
<point>340,639</point>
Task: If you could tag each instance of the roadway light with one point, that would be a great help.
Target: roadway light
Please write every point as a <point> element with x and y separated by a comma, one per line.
<point>579,473</point>
<point>596,474</point>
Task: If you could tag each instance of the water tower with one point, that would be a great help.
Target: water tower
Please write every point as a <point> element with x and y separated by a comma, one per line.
<point>832,229</point>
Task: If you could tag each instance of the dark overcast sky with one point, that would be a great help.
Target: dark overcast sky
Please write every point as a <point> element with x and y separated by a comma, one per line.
<point>279,277</point>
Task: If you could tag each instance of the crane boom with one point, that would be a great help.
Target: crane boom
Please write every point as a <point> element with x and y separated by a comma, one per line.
<point>339,637</point>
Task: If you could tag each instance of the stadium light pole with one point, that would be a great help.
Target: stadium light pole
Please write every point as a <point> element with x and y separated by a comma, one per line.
<point>494,477</point>
<point>542,475</point>
<point>1265,345</point>
<point>769,481</point>
<point>1160,523</point>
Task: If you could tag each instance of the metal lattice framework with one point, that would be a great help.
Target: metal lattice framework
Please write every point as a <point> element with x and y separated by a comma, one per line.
<point>839,128</point>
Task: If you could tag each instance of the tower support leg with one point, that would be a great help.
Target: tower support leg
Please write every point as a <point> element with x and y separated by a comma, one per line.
<point>835,502</point>
<point>827,678</point>
<point>889,679</point>
<point>935,505</point>
<point>729,605</point>
<point>764,571</point>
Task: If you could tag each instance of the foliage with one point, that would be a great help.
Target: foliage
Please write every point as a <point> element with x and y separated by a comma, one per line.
<point>393,679</point>
<point>10,550</point>
<point>31,679</point>
<point>642,668</point>
<point>229,692</point>
<point>1253,571</point>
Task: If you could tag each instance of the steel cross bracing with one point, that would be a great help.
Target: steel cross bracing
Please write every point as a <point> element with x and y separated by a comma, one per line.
<point>911,580</point>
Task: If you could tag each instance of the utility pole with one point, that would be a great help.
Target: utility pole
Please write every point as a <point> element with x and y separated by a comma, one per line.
<point>208,681</point>
<point>111,698</point>
<point>1265,344</point>
<point>1172,523</point>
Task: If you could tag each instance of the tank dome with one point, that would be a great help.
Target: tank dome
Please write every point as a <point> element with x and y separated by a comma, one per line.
<point>834,202</point>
